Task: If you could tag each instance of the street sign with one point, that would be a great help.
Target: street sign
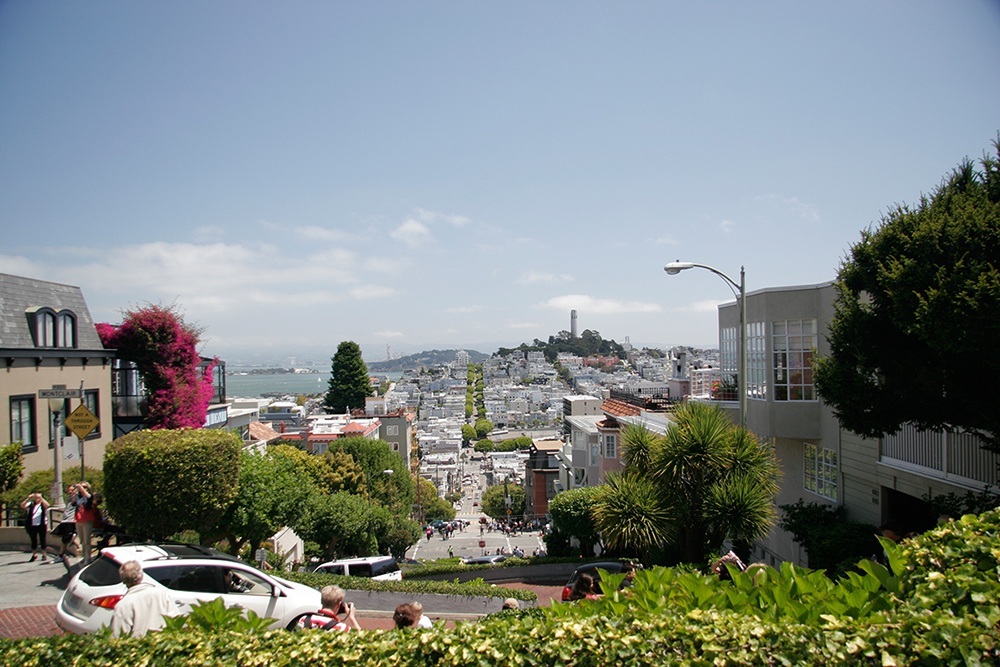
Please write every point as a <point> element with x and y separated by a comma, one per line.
<point>82,421</point>
<point>59,391</point>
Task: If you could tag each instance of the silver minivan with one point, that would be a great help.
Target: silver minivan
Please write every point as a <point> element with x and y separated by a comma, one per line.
<point>382,568</point>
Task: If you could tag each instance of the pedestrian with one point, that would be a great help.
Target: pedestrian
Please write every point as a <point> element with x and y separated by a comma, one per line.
<point>66,530</point>
<point>144,607</point>
<point>36,523</point>
<point>85,517</point>
<point>261,557</point>
<point>422,621</point>
<point>335,613</point>
<point>510,603</point>
<point>583,589</point>
<point>628,569</point>
<point>405,616</point>
<point>451,552</point>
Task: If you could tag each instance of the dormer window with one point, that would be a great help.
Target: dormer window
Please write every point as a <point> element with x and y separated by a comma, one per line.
<point>53,329</point>
<point>65,329</point>
<point>45,329</point>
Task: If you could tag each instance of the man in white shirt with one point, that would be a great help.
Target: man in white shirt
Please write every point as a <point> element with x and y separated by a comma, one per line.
<point>143,608</point>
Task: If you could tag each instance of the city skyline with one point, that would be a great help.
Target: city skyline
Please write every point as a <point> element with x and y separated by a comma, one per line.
<point>462,175</point>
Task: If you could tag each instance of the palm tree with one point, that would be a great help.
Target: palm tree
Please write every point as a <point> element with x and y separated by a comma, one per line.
<point>706,481</point>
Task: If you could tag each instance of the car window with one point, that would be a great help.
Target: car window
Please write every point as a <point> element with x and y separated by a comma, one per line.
<point>331,569</point>
<point>165,574</point>
<point>361,570</point>
<point>198,579</point>
<point>386,566</point>
<point>244,582</point>
<point>102,572</point>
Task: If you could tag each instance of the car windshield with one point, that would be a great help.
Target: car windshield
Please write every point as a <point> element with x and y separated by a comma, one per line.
<point>102,572</point>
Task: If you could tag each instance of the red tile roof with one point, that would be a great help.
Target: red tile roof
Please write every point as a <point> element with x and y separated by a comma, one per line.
<point>616,408</point>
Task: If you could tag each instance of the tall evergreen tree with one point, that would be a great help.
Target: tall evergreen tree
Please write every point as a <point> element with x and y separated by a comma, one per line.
<point>914,333</point>
<point>349,382</point>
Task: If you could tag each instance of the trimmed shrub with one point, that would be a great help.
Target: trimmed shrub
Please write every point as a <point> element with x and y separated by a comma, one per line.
<point>158,483</point>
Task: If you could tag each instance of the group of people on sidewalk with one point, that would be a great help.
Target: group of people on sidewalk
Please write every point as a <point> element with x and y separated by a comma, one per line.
<point>80,515</point>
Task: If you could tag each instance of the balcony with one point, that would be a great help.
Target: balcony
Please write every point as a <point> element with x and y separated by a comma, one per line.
<point>955,457</point>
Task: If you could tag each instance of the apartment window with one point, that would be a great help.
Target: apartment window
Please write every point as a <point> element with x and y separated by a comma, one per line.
<point>22,422</point>
<point>595,452</point>
<point>91,398</point>
<point>610,446</point>
<point>793,343</point>
<point>729,353</point>
<point>820,471</point>
<point>392,430</point>
<point>756,361</point>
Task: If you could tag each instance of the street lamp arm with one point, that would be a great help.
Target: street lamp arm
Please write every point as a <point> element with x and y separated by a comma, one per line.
<point>673,268</point>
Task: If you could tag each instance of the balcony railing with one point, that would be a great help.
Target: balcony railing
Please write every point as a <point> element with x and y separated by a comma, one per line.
<point>955,457</point>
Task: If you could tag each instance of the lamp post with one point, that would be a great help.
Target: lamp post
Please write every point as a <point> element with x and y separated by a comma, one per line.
<point>56,408</point>
<point>739,291</point>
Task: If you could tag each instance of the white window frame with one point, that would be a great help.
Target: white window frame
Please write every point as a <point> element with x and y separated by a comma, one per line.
<point>821,471</point>
<point>793,348</point>
<point>610,446</point>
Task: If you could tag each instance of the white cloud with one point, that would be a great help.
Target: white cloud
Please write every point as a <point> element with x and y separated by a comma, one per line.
<point>589,304</point>
<point>706,306</point>
<point>388,334</point>
<point>531,277</point>
<point>412,232</point>
<point>799,209</point>
<point>665,240</point>
<point>522,325</point>
<point>425,215</point>
<point>726,226</point>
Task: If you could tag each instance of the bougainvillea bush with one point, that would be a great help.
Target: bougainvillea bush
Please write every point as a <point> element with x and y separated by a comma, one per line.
<point>165,352</point>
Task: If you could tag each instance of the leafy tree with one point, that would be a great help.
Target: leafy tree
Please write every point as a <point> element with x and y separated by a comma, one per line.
<point>484,446</point>
<point>705,481</point>
<point>332,472</point>
<point>430,505</point>
<point>494,500</point>
<point>571,515</point>
<point>11,466</point>
<point>158,483</point>
<point>271,495</point>
<point>400,534</point>
<point>483,427</point>
<point>468,433</point>
<point>394,490</point>
<point>913,337</point>
<point>341,524</point>
<point>349,381</point>
<point>164,349</point>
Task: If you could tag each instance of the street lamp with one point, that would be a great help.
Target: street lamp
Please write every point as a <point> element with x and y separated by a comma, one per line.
<point>740,292</point>
<point>56,409</point>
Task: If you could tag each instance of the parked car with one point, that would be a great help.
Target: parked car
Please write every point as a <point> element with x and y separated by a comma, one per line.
<point>491,559</point>
<point>381,568</point>
<point>592,569</point>
<point>192,574</point>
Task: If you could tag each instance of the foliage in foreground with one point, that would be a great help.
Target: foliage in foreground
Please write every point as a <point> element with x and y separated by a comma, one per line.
<point>939,605</point>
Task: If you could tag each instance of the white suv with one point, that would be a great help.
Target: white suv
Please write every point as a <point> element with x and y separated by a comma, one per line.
<point>381,568</point>
<point>191,574</point>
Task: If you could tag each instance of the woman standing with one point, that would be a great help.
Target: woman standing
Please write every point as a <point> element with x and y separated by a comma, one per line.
<point>85,516</point>
<point>37,523</point>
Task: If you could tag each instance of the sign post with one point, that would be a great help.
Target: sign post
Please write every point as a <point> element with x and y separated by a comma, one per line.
<point>82,422</point>
<point>57,398</point>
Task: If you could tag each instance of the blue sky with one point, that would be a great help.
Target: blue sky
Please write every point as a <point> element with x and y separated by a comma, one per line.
<point>463,174</point>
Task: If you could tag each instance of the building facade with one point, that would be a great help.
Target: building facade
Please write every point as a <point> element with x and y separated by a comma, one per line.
<point>48,339</point>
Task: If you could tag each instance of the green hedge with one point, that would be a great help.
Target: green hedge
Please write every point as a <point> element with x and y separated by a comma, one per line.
<point>939,605</point>
<point>475,588</point>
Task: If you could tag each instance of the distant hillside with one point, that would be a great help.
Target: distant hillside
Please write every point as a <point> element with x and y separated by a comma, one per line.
<point>428,358</point>
<point>589,343</point>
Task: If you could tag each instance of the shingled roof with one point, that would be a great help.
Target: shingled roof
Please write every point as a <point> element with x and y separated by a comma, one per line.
<point>19,296</point>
